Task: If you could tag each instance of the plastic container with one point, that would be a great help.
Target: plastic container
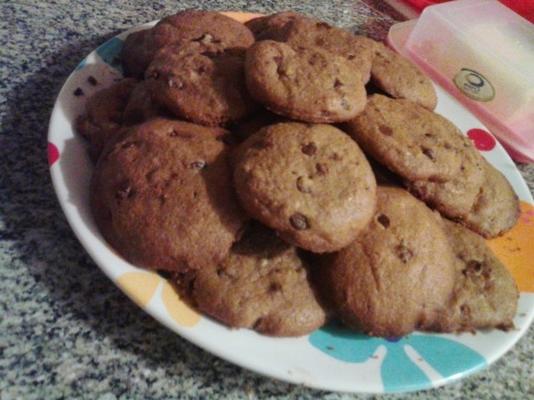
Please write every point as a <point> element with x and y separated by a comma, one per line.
<point>483,54</point>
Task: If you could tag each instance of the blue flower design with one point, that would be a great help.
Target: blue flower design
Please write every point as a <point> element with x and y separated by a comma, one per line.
<point>398,371</point>
<point>110,51</point>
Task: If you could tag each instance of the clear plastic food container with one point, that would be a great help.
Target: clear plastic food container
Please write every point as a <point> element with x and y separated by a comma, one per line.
<point>482,53</point>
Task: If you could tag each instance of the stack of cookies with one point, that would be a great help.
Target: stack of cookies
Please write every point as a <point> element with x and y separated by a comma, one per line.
<point>243,159</point>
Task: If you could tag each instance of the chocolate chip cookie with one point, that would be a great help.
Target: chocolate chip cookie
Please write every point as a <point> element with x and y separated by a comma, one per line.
<point>308,32</point>
<point>496,208</point>
<point>104,114</point>
<point>262,285</point>
<point>398,275</point>
<point>207,27</point>
<point>269,26</point>
<point>311,183</point>
<point>201,85</point>
<point>485,294</point>
<point>400,78</point>
<point>162,196</point>
<point>306,84</point>
<point>435,160</point>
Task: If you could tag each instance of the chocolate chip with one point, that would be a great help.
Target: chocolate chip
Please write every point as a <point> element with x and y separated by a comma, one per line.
<point>299,222</point>
<point>92,80</point>
<point>335,157</point>
<point>274,287</point>
<point>404,252</point>
<point>125,191</point>
<point>78,92</point>
<point>465,310</point>
<point>351,56</point>
<point>309,149</point>
<point>428,152</point>
<point>337,84</point>
<point>475,266</point>
<point>383,220</point>
<point>200,164</point>
<point>321,168</point>
<point>385,130</point>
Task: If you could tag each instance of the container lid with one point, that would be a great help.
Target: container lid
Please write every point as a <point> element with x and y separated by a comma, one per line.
<point>500,40</point>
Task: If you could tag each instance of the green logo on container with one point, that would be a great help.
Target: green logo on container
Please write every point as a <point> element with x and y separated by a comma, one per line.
<point>474,85</point>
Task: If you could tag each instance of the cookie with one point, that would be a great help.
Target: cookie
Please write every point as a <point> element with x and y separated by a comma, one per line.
<point>207,27</point>
<point>309,32</point>
<point>262,285</point>
<point>436,162</point>
<point>490,208</point>
<point>485,294</point>
<point>141,105</point>
<point>411,141</point>
<point>311,183</point>
<point>161,195</point>
<point>397,276</point>
<point>306,84</point>
<point>203,86</point>
<point>268,26</point>
<point>496,209</point>
<point>104,114</point>
<point>400,78</point>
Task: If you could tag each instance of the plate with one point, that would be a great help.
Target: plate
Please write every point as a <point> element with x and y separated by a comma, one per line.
<point>330,358</point>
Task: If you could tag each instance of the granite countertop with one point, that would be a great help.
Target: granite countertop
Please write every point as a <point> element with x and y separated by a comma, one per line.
<point>65,330</point>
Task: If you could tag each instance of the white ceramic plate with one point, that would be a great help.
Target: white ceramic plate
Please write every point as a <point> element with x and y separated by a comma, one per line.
<point>330,358</point>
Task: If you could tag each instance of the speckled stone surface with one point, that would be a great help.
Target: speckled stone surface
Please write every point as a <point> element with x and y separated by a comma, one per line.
<point>65,330</point>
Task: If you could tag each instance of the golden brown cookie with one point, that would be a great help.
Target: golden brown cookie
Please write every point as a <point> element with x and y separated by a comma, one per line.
<point>400,78</point>
<point>306,84</point>
<point>203,86</point>
<point>207,27</point>
<point>437,162</point>
<point>104,114</point>
<point>161,195</point>
<point>485,294</point>
<point>411,141</point>
<point>493,210</point>
<point>398,274</point>
<point>269,26</point>
<point>311,183</point>
<point>262,285</point>
<point>496,209</point>
<point>308,32</point>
